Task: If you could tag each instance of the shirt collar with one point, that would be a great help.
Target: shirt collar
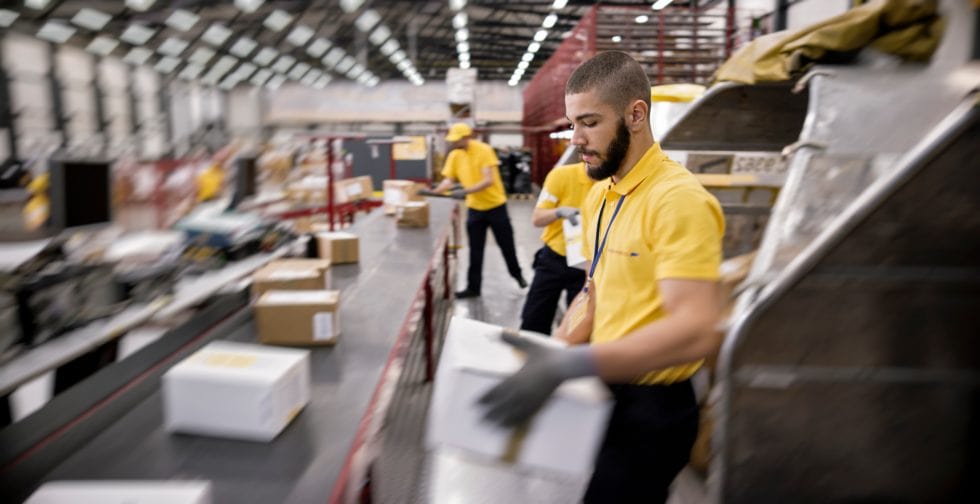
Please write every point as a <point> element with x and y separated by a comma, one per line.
<point>649,164</point>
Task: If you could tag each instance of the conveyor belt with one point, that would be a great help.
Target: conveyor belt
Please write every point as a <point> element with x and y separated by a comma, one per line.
<point>302,464</point>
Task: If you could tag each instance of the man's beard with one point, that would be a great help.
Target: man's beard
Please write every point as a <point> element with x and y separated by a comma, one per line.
<point>614,155</point>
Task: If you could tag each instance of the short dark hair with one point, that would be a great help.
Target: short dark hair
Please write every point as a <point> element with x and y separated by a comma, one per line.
<point>617,77</point>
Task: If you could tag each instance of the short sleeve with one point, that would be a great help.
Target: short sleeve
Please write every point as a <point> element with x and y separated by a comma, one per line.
<point>687,238</point>
<point>451,168</point>
<point>551,192</point>
<point>489,158</point>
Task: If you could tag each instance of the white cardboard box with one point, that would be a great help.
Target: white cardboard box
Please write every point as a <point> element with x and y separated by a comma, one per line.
<point>122,492</point>
<point>236,390</point>
<point>564,436</point>
<point>573,243</point>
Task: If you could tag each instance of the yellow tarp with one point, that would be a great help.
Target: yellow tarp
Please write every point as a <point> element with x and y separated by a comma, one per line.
<point>676,92</point>
<point>910,29</point>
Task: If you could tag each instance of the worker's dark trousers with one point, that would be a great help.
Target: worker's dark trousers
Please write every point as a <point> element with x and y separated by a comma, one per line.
<point>552,276</point>
<point>477,222</point>
<point>648,441</point>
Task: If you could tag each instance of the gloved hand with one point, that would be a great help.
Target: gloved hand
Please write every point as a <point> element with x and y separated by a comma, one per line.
<point>428,192</point>
<point>457,194</point>
<point>520,396</point>
<point>568,213</point>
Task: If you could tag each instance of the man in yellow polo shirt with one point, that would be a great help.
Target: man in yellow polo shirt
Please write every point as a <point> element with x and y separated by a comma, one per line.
<point>561,198</point>
<point>655,237</point>
<point>474,165</point>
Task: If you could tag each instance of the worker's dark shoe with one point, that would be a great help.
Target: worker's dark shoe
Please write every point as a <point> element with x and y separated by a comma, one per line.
<point>521,282</point>
<point>463,294</point>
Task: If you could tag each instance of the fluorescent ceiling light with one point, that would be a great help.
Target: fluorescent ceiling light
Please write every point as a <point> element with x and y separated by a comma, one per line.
<point>308,79</point>
<point>299,71</point>
<point>527,57</point>
<point>173,46</point>
<point>7,18</point>
<point>90,18</point>
<point>512,83</point>
<point>462,35</point>
<point>191,71</point>
<point>355,71</point>
<point>464,64</point>
<point>261,77</point>
<point>216,34</point>
<point>277,20</point>
<point>139,5</point>
<point>102,45</point>
<point>229,83</point>
<point>243,47</point>
<point>166,65</point>
<point>300,35</point>
<point>549,20</point>
<point>349,6</point>
<point>464,56</point>
<point>211,77</point>
<point>379,35</point>
<point>616,38</point>
<point>459,20</point>
<point>533,47</point>
<point>318,47</point>
<point>373,81</point>
<point>36,4</point>
<point>403,65</point>
<point>322,82</point>
<point>642,18</point>
<point>345,64</point>
<point>283,63</point>
<point>367,20</point>
<point>389,47</point>
<point>540,35</point>
<point>522,65</point>
<point>332,57</point>
<point>136,34</point>
<point>559,4</point>
<point>275,82</point>
<point>245,70</point>
<point>463,47</point>
<point>265,56</point>
<point>224,64</point>
<point>137,55</point>
<point>248,6</point>
<point>398,57</point>
<point>54,31</point>
<point>201,55</point>
<point>182,20</point>
<point>660,4</point>
<point>457,4</point>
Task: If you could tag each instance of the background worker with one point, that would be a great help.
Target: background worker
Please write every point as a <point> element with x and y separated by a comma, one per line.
<point>656,235</point>
<point>474,165</point>
<point>561,197</point>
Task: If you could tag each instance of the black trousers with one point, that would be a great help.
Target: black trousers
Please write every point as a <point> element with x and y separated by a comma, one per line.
<point>648,442</point>
<point>552,276</point>
<point>477,222</point>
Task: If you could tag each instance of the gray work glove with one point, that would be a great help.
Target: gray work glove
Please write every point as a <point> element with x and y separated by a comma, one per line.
<point>457,194</point>
<point>568,213</point>
<point>517,398</point>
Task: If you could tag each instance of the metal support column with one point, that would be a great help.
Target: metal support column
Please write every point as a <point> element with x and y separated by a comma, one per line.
<point>429,330</point>
<point>57,105</point>
<point>781,14</point>
<point>135,121</point>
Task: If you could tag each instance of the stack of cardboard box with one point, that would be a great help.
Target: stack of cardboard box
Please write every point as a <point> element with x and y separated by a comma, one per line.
<point>398,192</point>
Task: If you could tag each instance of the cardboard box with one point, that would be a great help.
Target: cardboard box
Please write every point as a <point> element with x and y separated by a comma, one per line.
<point>573,243</point>
<point>413,214</point>
<point>338,246</point>
<point>122,492</point>
<point>298,317</point>
<point>398,192</point>
<point>292,274</point>
<point>352,189</point>
<point>236,390</point>
<point>564,436</point>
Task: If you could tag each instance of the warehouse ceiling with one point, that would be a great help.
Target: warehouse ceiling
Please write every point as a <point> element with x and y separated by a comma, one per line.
<point>269,42</point>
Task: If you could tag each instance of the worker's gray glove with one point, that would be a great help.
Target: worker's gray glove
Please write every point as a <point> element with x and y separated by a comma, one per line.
<point>457,194</point>
<point>568,213</point>
<point>520,396</point>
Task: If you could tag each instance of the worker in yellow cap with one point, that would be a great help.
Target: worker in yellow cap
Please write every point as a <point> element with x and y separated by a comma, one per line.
<point>474,165</point>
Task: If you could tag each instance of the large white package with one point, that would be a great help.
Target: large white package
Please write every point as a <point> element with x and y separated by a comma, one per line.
<point>122,492</point>
<point>236,390</point>
<point>564,436</point>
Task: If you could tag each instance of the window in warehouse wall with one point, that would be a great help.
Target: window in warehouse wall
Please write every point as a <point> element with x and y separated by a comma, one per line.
<point>26,61</point>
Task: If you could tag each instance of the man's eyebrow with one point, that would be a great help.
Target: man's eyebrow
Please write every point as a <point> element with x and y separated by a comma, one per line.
<point>584,116</point>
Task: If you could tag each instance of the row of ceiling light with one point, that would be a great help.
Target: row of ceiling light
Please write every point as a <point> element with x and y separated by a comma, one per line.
<point>462,32</point>
<point>535,45</point>
<point>279,66</point>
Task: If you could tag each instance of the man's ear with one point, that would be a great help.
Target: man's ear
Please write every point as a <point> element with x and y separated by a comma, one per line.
<point>639,115</point>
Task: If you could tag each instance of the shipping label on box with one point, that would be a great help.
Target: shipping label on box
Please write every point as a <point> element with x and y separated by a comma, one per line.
<point>564,436</point>
<point>353,189</point>
<point>298,317</point>
<point>123,492</point>
<point>573,243</point>
<point>413,214</point>
<point>338,246</point>
<point>236,390</point>
<point>399,192</point>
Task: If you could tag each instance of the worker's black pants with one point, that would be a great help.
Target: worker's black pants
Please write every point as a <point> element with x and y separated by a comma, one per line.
<point>477,222</point>
<point>552,276</point>
<point>648,441</point>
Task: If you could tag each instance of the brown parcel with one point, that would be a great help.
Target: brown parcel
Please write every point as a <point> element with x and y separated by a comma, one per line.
<point>339,247</point>
<point>413,214</point>
<point>352,189</point>
<point>308,317</point>
<point>397,192</point>
<point>292,274</point>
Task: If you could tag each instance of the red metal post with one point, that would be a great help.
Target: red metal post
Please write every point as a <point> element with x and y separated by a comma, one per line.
<point>427,320</point>
<point>729,33</point>
<point>330,209</point>
<point>446,288</point>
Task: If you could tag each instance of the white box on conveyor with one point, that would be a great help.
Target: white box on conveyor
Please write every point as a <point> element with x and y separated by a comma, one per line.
<point>122,492</point>
<point>236,390</point>
<point>564,436</point>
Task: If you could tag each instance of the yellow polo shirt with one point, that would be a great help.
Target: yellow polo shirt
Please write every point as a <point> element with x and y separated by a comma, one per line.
<point>466,167</point>
<point>564,186</point>
<point>669,227</point>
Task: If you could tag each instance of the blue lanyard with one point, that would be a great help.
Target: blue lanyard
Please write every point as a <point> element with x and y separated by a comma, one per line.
<point>597,247</point>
